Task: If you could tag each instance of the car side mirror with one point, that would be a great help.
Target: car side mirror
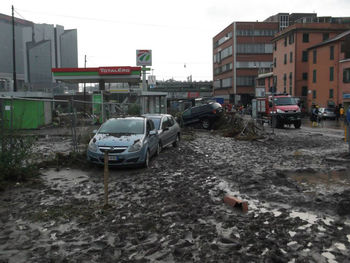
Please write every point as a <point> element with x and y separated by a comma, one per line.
<point>153,132</point>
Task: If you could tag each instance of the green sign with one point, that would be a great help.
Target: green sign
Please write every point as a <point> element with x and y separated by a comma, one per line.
<point>96,107</point>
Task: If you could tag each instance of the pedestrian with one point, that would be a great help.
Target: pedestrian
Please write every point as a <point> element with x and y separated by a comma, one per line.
<point>337,113</point>
<point>314,115</point>
<point>341,111</point>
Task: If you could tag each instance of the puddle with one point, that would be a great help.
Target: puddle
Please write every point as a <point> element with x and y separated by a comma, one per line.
<point>333,180</point>
<point>71,182</point>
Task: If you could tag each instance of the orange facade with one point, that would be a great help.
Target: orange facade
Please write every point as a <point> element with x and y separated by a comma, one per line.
<point>323,83</point>
<point>291,56</point>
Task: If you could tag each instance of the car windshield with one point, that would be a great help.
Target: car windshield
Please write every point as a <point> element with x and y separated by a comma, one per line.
<point>123,126</point>
<point>285,101</point>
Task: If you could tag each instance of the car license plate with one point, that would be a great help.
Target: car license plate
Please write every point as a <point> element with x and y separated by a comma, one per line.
<point>112,157</point>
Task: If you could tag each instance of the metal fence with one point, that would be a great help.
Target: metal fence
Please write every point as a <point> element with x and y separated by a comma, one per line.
<point>58,125</point>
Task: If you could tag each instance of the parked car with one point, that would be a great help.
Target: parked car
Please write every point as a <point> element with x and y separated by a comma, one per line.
<point>129,141</point>
<point>205,114</point>
<point>327,113</point>
<point>169,131</point>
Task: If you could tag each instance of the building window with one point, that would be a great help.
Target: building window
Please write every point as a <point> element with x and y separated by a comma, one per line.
<point>291,39</point>
<point>331,52</point>
<point>305,56</point>
<point>226,83</point>
<point>223,39</point>
<point>259,48</point>
<point>314,57</point>
<point>274,62</point>
<point>314,94</point>
<point>290,78</point>
<point>285,58</point>
<point>304,91</point>
<point>314,76</point>
<point>291,57</point>
<point>284,80</point>
<point>222,54</point>
<point>285,41</point>
<point>304,75</point>
<point>331,73</point>
<point>245,80</point>
<point>346,75</point>
<point>331,92</point>
<point>275,46</point>
<point>305,37</point>
<point>325,36</point>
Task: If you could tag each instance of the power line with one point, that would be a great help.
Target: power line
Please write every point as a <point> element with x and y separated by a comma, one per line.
<point>114,21</point>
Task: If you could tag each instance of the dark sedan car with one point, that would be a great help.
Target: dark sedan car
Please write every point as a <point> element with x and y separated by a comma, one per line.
<point>169,131</point>
<point>205,114</point>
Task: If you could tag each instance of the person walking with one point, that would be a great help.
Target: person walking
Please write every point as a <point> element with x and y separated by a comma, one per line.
<point>314,115</point>
<point>337,113</point>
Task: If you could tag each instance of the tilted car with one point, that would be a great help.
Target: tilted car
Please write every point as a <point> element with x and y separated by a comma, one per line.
<point>129,141</point>
<point>169,131</point>
<point>205,114</point>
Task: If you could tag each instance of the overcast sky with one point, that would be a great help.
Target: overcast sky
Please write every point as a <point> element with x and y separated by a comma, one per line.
<point>178,32</point>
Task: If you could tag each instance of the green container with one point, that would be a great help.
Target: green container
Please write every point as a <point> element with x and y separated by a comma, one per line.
<point>26,114</point>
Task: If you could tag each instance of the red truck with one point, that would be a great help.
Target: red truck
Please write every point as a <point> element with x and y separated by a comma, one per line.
<point>278,110</point>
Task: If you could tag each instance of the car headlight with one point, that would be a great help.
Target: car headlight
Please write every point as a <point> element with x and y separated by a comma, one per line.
<point>136,146</point>
<point>279,111</point>
<point>92,146</point>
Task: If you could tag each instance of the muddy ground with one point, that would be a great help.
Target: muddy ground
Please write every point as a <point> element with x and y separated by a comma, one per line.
<point>296,182</point>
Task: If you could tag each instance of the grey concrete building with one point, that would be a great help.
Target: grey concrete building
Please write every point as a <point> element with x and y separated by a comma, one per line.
<point>39,47</point>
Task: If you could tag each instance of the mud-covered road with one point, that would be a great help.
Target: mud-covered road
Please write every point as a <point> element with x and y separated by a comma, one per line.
<point>296,182</point>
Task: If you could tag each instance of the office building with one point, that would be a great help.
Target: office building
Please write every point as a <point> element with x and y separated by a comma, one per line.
<point>39,47</point>
<point>240,51</point>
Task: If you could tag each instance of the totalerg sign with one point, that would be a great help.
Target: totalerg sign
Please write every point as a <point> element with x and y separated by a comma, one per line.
<point>114,70</point>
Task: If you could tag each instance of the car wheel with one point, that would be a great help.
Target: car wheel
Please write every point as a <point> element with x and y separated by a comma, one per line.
<point>274,122</point>
<point>176,142</point>
<point>205,124</point>
<point>146,163</point>
<point>159,148</point>
<point>297,124</point>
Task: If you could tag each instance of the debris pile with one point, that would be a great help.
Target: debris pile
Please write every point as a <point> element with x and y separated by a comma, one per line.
<point>234,125</point>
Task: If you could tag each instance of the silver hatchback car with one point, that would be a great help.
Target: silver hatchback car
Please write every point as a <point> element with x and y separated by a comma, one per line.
<point>169,130</point>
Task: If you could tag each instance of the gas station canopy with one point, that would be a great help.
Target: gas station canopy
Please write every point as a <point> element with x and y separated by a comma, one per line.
<point>97,75</point>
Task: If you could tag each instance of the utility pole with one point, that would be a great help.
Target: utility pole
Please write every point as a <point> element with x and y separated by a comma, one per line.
<point>85,87</point>
<point>14,52</point>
